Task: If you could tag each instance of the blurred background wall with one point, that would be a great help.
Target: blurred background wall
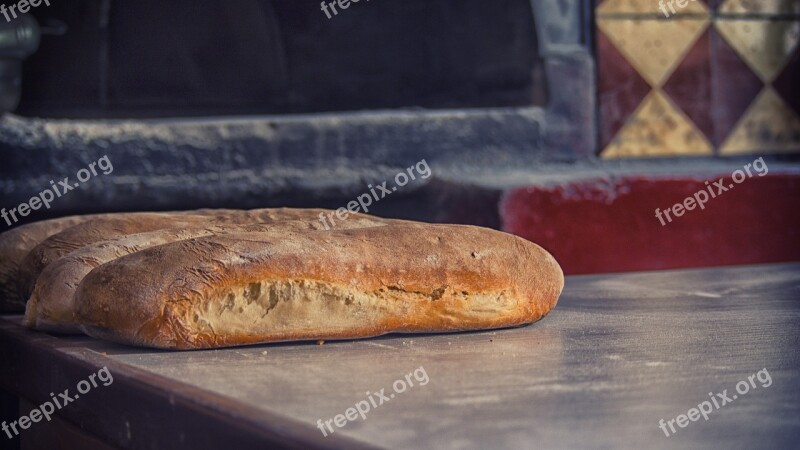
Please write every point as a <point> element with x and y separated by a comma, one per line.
<point>566,122</point>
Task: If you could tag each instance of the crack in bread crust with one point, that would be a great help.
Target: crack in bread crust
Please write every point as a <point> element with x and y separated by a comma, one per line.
<point>250,288</point>
<point>308,309</point>
<point>51,306</point>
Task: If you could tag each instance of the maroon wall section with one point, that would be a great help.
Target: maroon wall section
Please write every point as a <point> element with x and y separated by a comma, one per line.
<point>611,226</point>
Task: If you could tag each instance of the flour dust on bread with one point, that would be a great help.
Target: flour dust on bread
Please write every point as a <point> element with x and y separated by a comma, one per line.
<point>51,306</point>
<point>117,225</point>
<point>15,245</point>
<point>249,288</point>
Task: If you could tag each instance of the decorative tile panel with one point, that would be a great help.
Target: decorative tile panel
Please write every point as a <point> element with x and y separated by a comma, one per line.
<point>724,73</point>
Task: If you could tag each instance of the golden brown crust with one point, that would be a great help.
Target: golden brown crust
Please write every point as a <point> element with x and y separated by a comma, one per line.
<point>249,288</point>
<point>15,245</point>
<point>114,226</point>
<point>51,306</point>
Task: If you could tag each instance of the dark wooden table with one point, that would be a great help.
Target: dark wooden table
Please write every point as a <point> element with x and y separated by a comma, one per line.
<point>619,353</point>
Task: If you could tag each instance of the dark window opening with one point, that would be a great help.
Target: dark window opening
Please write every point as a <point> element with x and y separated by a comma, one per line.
<point>149,58</point>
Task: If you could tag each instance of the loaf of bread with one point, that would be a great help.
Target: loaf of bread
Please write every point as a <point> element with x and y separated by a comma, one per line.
<point>118,225</point>
<point>15,245</point>
<point>247,288</point>
<point>51,306</point>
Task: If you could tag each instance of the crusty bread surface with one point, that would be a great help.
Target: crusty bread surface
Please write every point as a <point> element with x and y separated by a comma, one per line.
<point>15,244</point>
<point>51,305</point>
<point>117,225</point>
<point>269,286</point>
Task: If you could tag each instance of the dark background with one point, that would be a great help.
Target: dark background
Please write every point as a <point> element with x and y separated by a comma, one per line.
<point>150,58</point>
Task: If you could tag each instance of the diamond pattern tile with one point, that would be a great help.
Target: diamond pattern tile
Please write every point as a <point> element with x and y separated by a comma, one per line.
<point>653,47</point>
<point>658,128</point>
<point>769,125</point>
<point>620,87</point>
<point>722,75</point>
<point>734,87</point>
<point>760,7</point>
<point>787,84</point>
<point>650,7</point>
<point>765,45</point>
<point>690,86</point>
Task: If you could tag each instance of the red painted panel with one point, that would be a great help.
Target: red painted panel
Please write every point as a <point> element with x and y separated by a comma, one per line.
<point>611,226</point>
